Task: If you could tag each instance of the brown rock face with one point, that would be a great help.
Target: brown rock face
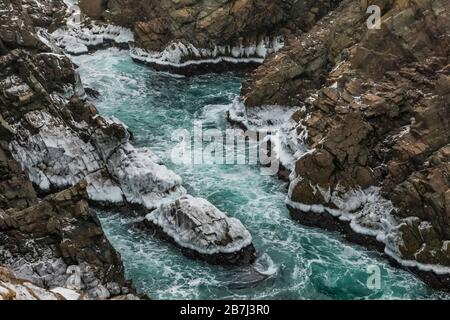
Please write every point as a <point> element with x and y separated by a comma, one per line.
<point>377,115</point>
<point>51,241</point>
<point>289,77</point>
<point>94,8</point>
<point>64,223</point>
<point>16,190</point>
<point>205,22</point>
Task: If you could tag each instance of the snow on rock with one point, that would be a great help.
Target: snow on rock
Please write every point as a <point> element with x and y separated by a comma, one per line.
<point>196,225</point>
<point>12,288</point>
<point>178,54</point>
<point>368,213</point>
<point>288,137</point>
<point>67,294</point>
<point>366,210</point>
<point>102,189</point>
<point>142,178</point>
<point>78,36</point>
<point>55,157</point>
<point>78,40</point>
<point>143,181</point>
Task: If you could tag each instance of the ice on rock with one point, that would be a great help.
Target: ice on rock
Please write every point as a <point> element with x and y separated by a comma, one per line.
<point>195,224</point>
<point>77,37</point>
<point>142,180</point>
<point>179,54</point>
<point>78,40</point>
<point>287,137</point>
<point>369,214</point>
<point>366,210</point>
<point>102,189</point>
<point>141,177</point>
<point>56,157</point>
<point>67,294</point>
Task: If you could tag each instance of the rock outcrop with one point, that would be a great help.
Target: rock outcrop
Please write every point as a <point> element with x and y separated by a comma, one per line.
<point>80,35</point>
<point>49,237</point>
<point>60,139</point>
<point>12,288</point>
<point>59,242</point>
<point>71,155</point>
<point>375,118</point>
<point>203,232</point>
<point>203,36</point>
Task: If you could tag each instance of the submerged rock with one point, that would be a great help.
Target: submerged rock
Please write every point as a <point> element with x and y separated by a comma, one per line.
<point>203,232</point>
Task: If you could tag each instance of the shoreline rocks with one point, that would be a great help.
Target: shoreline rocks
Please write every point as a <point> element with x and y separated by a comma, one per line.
<point>185,59</point>
<point>68,149</point>
<point>59,243</point>
<point>191,38</point>
<point>328,222</point>
<point>202,231</point>
<point>373,114</point>
<point>13,288</point>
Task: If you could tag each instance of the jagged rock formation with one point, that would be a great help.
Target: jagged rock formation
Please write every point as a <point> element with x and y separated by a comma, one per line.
<point>375,117</point>
<point>12,288</point>
<point>60,139</point>
<point>70,154</point>
<point>80,35</point>
<point>59,242</point>
<point>197,36</point>
<point>54,241</point>
<point>203,231</point>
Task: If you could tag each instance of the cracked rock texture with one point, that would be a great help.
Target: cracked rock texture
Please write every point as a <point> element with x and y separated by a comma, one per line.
<point>49,237</point>
<point>205,23</point>
<point>12,288</point>
<point>56,154</point>
<point>203,231</point>
<point>376,114</point>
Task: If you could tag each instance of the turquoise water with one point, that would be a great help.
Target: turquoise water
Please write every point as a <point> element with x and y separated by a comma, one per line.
<point>294,262</point>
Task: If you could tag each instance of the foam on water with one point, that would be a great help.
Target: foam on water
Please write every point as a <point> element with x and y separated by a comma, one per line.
<point>294,263</point>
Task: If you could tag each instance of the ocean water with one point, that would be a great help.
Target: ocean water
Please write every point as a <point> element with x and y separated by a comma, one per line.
<point>294,262</point>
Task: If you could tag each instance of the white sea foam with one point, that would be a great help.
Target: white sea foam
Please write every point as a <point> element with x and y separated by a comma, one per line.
<point>288,138</point>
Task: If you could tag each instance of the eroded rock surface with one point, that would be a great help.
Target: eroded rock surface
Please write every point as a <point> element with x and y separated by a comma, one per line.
<point>59,242</point>
<point>375,118</point>
<point>51,140</point>
<point>204,36</point>
<point>203,231</point>
<point>12,288</point>
<point>70,154</point>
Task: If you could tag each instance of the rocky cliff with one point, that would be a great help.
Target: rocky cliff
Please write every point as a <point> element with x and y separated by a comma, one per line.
<point>365,116</point>
<point>57,154</point>
<point>374,117</point>
<point>52,242</point>
<point>202,35</point>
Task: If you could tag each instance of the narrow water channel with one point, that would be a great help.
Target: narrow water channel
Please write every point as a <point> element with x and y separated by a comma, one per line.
<point>294,262</point>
